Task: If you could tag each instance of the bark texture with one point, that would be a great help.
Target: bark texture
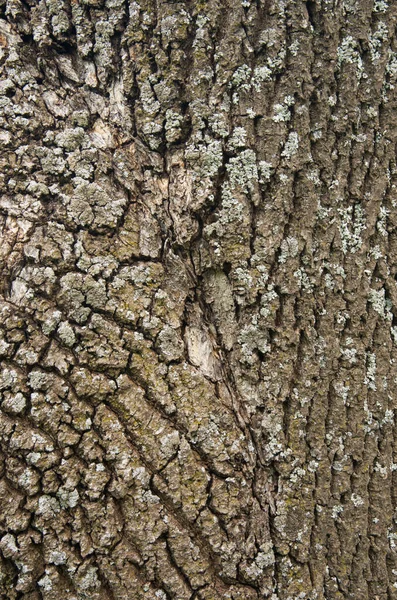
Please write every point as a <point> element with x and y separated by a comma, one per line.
<point>198,304</point>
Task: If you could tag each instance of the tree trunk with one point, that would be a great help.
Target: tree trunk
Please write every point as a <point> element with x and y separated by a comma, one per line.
<point>198,307</point>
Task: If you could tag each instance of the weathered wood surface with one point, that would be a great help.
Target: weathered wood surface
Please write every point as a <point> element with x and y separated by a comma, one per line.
<point>198,303</point>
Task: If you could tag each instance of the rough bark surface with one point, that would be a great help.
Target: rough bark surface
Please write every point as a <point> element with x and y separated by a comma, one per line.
<point>198,303</point>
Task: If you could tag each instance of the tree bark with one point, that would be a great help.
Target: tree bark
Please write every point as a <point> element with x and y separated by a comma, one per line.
<point>198,310</point>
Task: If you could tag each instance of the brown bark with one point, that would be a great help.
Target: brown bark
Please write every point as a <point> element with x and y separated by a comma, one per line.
<point>198,303</point>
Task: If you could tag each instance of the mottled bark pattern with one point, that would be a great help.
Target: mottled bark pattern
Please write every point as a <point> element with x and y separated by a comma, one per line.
<point>198,308</point>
